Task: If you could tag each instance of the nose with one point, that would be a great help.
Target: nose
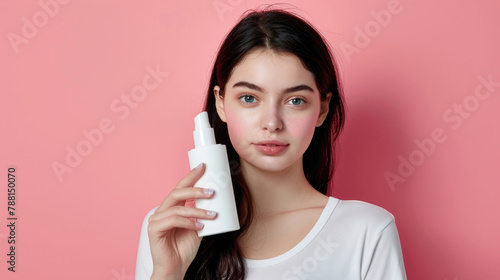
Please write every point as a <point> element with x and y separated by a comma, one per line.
<point>272,119</point>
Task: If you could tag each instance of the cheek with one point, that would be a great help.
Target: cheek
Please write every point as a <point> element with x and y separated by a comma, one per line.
<point>304,128</point>
<point>236,126</point>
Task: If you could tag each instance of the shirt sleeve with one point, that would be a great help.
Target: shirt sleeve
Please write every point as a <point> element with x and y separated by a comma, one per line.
<point>387,259</point>
<point>144,263</point>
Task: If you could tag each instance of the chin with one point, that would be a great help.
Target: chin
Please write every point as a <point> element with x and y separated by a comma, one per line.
<point>272,164</point>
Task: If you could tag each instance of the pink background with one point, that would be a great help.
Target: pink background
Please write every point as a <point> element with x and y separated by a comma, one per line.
<point>404,77</point>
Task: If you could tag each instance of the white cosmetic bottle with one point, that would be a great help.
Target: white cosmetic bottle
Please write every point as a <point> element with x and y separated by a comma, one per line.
<point>217,176</point>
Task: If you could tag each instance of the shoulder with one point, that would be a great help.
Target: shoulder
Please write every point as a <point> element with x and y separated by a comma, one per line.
<point>360,214</point>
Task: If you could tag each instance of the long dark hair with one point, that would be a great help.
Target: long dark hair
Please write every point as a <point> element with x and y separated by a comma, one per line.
<point>219,256</point>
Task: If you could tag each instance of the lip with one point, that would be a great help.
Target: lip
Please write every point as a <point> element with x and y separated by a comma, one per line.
<point>271,142</point>
<point>271,147</point>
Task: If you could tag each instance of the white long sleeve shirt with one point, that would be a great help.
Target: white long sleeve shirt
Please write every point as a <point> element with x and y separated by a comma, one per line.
<point>351,240</point>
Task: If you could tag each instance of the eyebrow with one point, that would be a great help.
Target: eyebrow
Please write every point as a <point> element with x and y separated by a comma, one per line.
<point>285,91</point>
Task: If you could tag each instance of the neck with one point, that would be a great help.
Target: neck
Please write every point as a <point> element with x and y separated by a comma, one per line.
<point>277,192</point>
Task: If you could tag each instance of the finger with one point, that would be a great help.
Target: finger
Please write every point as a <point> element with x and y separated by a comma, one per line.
<point>180,196</point>
<point>159,227</point>
<point>191,177</point>
<point>186,212</point>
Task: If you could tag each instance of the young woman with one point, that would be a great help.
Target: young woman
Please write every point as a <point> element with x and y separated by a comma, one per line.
<point>275,102</point>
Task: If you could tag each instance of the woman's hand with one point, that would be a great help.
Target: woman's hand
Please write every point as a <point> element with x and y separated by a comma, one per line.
<point>172,229</point>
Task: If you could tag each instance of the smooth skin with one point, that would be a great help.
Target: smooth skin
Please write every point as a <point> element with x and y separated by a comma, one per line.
<point>281,194</point>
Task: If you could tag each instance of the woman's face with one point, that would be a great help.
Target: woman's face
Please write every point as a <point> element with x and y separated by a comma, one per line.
<point>270,96</point>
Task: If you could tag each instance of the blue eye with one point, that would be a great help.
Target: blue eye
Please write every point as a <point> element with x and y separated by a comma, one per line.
<point>247,98</point>
<point>297,101</point>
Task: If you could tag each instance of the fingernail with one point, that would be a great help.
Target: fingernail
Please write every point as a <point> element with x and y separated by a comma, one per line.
<point>211,213</point>
<point>198,225</point>
<point>208,192</point>
<point>198,166</point>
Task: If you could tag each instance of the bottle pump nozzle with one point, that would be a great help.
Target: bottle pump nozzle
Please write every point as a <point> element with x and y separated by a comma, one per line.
<point>203,133</point>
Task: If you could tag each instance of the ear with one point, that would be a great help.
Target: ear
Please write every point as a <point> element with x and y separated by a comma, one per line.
<point>219,103</point>
<point>325,104</point>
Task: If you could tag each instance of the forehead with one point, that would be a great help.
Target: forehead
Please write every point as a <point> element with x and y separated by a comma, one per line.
<point>265,65</point>
<point>265,54</point>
